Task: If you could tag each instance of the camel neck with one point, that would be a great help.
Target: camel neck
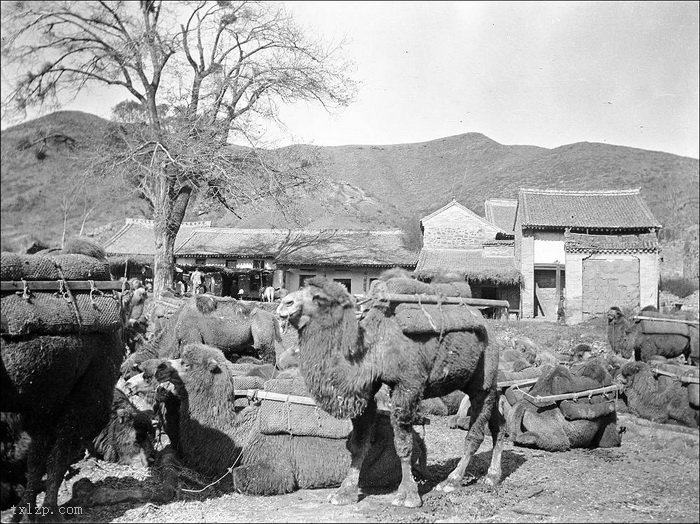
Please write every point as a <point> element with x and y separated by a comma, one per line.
<point>332,364</point>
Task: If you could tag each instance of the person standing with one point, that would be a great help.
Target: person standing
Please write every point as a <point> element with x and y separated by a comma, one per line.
<point>196,280</point>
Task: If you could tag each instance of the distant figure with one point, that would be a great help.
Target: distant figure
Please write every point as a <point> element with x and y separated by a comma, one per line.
<point>196,280</point>
<point>240,294</point>
<point>561,316</point>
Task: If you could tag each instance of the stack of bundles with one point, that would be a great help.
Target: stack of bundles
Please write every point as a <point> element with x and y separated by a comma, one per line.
<point>688,376</point>
<point>291,418</point>
<point>59,312</point>
<point>411,286</point>
<point>431,318</point>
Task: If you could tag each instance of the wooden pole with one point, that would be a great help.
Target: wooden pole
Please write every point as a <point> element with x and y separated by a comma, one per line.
<point>661,319</point>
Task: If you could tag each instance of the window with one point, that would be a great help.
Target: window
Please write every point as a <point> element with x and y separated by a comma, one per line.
<point>200,261</point>
<point>231,263</point>
<point>258,263</point>
<point>346,282</point>
<point>304,278</point>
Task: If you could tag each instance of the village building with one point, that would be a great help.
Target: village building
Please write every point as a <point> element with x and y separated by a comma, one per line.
<point>131,250</point>
<point>585,251</point>
<point>457,240</point>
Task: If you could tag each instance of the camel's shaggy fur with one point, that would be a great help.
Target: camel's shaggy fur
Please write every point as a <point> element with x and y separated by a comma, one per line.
<point>128,437</point>
<point>646,399</point>
<point>14,448</point>
<point>63,387</point>
<point>547,427</point>
<point>344,363</point>
<point>627,338</point>
<point>213,437</point>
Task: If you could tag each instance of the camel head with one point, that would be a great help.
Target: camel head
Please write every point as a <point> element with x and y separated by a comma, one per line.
<point>629,371</point>
<point>320,298</point>
<point>615,315</point>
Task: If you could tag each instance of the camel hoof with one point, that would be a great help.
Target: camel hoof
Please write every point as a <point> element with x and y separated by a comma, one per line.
<point>447,486</point>
<point>342,498</point>
<point>409,500</point>
<point>491,480</point>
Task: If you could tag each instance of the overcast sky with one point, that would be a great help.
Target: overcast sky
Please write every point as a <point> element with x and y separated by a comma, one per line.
<point>536,73</point>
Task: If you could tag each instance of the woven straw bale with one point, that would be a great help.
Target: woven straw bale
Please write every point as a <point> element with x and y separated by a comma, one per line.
<point>279,417</point>
<point>14,266</point>
<point>452,289</point>
<point>654,327</point>
<point>432,318</point>
<point>46,314</point>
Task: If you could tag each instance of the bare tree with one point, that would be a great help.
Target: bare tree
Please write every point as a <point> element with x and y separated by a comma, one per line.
<point>200,72</point>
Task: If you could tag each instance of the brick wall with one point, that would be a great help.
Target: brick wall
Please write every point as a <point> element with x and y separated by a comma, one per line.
<point>456,229</point>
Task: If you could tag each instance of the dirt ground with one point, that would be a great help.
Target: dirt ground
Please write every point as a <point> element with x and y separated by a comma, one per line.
<point>652,477</point>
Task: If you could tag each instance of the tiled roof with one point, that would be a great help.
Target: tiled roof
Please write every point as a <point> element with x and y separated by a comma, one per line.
<point>616,209</point>
<point>302,247</point>
<point>136,237</point>
<point>579,242</point>
<point>472,263</point>
<point>501,213</point>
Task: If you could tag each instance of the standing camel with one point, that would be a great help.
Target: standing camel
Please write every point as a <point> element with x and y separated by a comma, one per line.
<point>344,362</point>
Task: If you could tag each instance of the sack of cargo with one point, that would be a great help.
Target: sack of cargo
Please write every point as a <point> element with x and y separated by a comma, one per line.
<point>48,314</point>
<point>432,318</point>
<point>15,266</point>
<point>287,417</point>
<point>411,286</point>
<point>659,327</point>
<point>587,409</point>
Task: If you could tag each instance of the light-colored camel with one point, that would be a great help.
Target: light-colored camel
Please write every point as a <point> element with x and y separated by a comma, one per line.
<point>344,362</point>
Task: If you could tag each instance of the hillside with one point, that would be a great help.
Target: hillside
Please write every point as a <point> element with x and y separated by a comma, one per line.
<point>366,186</point>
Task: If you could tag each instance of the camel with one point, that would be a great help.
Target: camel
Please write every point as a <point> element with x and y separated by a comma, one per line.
<point>229,324</point>
<point>647,398</point>
<point>345,361</point>
<point>61,385</point>
<point>214,436</point>
<point>567,425</point>
<point>636,341</point>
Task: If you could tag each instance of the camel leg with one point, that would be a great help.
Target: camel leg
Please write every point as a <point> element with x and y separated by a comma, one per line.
<point>483,402</point>
<point>401,422</point>
<point>359,444</point>
<point>36,467</point>
<point>497,428</point>
<point>59,459</point>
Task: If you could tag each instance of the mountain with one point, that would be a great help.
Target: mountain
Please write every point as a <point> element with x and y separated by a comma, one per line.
<point>366,186</point>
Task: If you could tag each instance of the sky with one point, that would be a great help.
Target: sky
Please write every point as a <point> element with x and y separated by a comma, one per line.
<point>528,73</point>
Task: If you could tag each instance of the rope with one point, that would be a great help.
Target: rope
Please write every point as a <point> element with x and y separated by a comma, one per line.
<point>67,295</point>
<point>229,470</point>
<point>25,293</point>
<point>93,289</point>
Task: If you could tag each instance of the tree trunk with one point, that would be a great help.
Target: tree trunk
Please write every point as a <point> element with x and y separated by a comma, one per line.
<point>165,229</point>
<point>164,260</point>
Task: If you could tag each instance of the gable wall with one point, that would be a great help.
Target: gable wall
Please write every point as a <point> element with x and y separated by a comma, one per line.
<point>453,228</point>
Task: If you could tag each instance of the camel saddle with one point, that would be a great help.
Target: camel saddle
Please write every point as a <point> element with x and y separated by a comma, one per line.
<point>416,319</point>
<point>659,327</point>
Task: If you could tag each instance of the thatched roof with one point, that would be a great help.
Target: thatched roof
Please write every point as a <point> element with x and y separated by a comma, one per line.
<point>554,208</point>
<point>582,243</point>
<point>136,237</point>
<point>472,263</point>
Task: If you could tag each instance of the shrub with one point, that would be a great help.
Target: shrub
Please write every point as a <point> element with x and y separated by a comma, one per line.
<point>679,286</point>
